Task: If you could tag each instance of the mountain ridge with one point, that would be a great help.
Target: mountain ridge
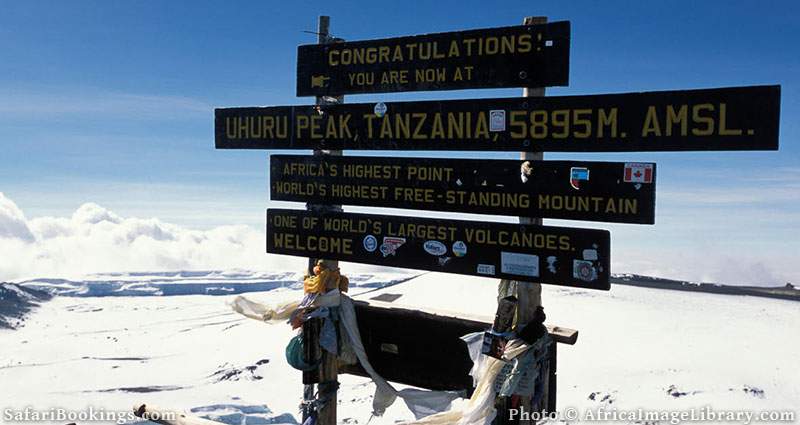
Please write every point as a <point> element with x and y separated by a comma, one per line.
<point>787,292</point>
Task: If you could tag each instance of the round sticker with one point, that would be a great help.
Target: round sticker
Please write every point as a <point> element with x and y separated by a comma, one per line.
<point>584,271</point>
<point>380,109</point>
<point>370,243</point>
<point>459,248</point>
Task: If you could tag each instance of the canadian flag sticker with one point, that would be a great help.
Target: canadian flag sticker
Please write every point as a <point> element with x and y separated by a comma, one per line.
<point>637,172</point>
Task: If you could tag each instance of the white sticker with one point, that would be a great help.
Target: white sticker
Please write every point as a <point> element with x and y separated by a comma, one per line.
<point>486,269</point>
<point>459,248</point>
<point>370,243</point>
<point>590,254</point>
<point>435,248</point>
<point>519,264</point>
<point>497,120</point>
<point>583,270</point>
<point>380,109</point>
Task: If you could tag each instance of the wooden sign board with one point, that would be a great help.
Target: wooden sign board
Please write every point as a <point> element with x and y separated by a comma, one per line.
<point>402,353</point>
<point>555,255</point>
<point>518,56</point>
<point>594,191</point>
<point>737,118</point>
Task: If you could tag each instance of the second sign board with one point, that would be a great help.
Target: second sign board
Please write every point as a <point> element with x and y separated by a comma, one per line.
<point>734,118</point>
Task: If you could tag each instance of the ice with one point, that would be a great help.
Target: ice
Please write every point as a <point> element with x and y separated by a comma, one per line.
<point>213,282</point>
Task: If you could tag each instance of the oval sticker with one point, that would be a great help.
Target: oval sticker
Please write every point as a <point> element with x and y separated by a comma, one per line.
<point>435,248</point>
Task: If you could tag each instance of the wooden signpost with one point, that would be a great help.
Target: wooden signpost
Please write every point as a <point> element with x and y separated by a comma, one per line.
<point>734,118</point>
<point>576,190</point>
<point>320,385</point>
<point>532,56</point>
<point>557,255</point>
<point>516,56</point>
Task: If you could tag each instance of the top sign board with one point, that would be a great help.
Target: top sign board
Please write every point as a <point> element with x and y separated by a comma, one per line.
<point>518,56</point>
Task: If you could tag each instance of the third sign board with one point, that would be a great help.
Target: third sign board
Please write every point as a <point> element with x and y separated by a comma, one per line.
<point>577,190</point>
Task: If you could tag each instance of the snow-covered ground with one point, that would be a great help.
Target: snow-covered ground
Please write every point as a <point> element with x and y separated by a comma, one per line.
<point>638,348</point>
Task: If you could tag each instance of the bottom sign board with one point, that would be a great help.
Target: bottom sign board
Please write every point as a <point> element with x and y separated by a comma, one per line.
<point>554,255</point>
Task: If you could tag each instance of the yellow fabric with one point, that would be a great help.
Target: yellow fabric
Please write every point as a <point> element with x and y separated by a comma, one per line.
<point>325,281</point>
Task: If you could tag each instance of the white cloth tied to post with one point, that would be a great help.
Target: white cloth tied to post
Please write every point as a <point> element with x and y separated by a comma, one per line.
<point>428,407</point>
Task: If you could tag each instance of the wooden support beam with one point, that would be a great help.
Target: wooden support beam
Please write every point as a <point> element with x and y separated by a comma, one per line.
<point>559,334</point>
<point>551,379</point>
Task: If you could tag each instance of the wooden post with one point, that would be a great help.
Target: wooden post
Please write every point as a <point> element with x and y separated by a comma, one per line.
<point>529,294</point>
<point>326,375</point>
<point>527,306</point>
<point>550,394</point>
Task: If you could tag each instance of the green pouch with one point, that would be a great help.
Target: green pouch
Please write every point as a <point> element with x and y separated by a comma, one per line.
<point>294,355</point>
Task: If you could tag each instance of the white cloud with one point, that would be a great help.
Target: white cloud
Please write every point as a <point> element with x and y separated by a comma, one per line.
<point>12,221</point>
<point>95,240</point>
<point>47,102</point>
<point>739,196</point>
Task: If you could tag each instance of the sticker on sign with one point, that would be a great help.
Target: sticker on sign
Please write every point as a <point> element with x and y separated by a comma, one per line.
<point>576,175</point>
<point>487,269</point>
<point>519,264</point>
<point>584,270</point>
<point>459,248</point>
<point>380,109</point>
<point>435,248</point>
<point>497,120</point>
<point>637,172</point>
<point>370,243</point>
<point>390,245</point>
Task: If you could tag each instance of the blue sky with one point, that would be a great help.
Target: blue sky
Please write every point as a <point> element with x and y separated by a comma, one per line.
<point>112,102</point>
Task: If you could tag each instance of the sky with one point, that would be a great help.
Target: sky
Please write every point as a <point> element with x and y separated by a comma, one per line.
<point>108,106</point>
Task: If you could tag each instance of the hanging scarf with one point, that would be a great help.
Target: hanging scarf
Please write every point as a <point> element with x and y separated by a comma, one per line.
<point>325,280</point>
